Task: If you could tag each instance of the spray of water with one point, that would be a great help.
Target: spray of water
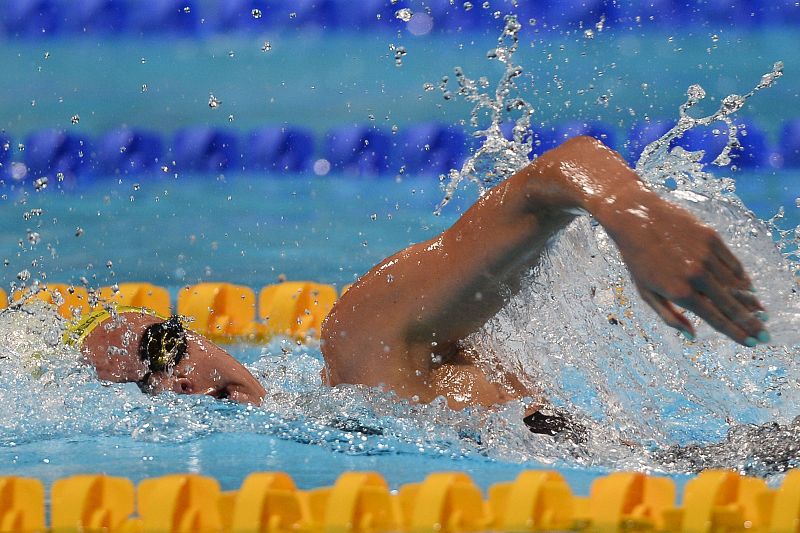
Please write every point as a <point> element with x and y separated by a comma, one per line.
<point>583,337</point>
<point>579,334</point>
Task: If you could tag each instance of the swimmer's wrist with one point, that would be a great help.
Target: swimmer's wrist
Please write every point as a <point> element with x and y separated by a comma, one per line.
<point>624,211</point>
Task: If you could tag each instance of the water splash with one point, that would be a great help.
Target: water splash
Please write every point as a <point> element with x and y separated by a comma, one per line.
<point>580,334</point>
<point>585,340</point>
<point>497,158</point>
<point>660,161</point>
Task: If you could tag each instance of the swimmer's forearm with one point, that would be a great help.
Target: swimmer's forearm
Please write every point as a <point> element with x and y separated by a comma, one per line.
<point>672,256</point>
<point>583,174</point>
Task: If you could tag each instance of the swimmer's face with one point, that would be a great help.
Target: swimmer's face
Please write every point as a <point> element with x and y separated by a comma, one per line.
<point>113,350</point>
<point>208,369</point>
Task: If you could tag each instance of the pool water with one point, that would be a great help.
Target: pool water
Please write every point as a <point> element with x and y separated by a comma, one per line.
<point>250,230</point>
<point>176,229</point>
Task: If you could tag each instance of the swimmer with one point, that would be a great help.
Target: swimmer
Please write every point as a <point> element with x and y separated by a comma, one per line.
<point>402,325</point>
<point>160,354</point>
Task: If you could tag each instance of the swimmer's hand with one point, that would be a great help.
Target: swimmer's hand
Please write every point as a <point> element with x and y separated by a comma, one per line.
<point>676,259</point>
<point>673,257</point>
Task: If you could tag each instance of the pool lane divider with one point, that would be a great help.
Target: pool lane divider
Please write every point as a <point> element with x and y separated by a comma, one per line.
<point>221,311</point>
<point>74,158</point>
<point>362,502</point>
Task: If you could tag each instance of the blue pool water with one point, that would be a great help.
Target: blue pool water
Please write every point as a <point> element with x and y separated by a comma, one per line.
<point>250,230</point>
<point>176,228</point>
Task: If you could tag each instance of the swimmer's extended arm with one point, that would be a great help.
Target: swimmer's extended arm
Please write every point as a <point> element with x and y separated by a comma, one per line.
<point>394,326</point>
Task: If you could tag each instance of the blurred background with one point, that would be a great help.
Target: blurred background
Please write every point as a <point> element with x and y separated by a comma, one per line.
<point>352,107</point>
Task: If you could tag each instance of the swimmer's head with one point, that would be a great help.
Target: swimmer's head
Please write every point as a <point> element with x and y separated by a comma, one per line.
<point>203,368</point>
<point>162,355</point>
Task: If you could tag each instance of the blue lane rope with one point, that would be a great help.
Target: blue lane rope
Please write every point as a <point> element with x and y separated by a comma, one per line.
<point>426,148</point>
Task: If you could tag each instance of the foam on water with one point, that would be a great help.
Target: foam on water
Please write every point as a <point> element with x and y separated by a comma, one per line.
<point>584,338</point>
<point>579,333</point>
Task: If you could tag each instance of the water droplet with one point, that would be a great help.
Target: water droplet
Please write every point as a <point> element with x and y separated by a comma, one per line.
<point>714,38</point>
<point>389,278</point>
<point>256,13</point>
<point>467,6</point>
<point>695,93</point>
<point>144,87</point>
<point>322,167</point>
<point>266,47</point>
<point>732,103</point>
<point>143,60</point>
<point>486,5</point>
<point>399,53</point>
<point>588,33</point>
<point>136,186</point>
<point>601,24</point>
<point>33,238</point>
<point>293,15</point>
<point>164,168</point>
<point>109,264</point>
<point>75,119</point>
<point>47,55</point>
<point>532,21</point>
<point>40,183</point>
<point>428,87</point>
<point>24,275</point>
<point>187,9</point>
<point>231,53</point>
<point>404,14</point>
<point>213,101</point>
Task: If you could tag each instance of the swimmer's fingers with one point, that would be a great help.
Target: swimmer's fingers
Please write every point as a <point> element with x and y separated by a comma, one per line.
<point>726,257</point>
<point>737,284</point>
<point>738,322</point>
<point>749,300</point>
<point>706,309</point>
<point>729,272</point>
<point>668,312</point>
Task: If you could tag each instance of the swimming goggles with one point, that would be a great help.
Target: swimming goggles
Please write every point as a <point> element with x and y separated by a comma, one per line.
<point>163,345</point>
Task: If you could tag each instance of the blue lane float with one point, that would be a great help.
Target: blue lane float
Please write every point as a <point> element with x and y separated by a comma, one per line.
<point>96,17</point>
<point>432,148</point>
<point>281,149</point>
<point>643,134</point>
<point>358,150</point>
<point>128,151</point>
<point>790,143</point>
<point>176,17</point>
<point>44,18</point>
<point>53,153</point>
<point>30,18</point>
<point>753,151</point>
<point>205,149</point>
<point>5,155</point>
<point>426,148</point>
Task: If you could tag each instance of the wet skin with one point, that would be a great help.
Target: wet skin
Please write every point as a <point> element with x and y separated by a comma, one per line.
<point>112,348</point>
<point>401,325</point>
<point>406,335</point>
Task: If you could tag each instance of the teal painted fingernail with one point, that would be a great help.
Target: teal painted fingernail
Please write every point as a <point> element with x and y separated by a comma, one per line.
<point>688,334</point>
<point>764,337</point>
<point>750,342</point>
<point>753,289</point>
<point>762,316</point>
